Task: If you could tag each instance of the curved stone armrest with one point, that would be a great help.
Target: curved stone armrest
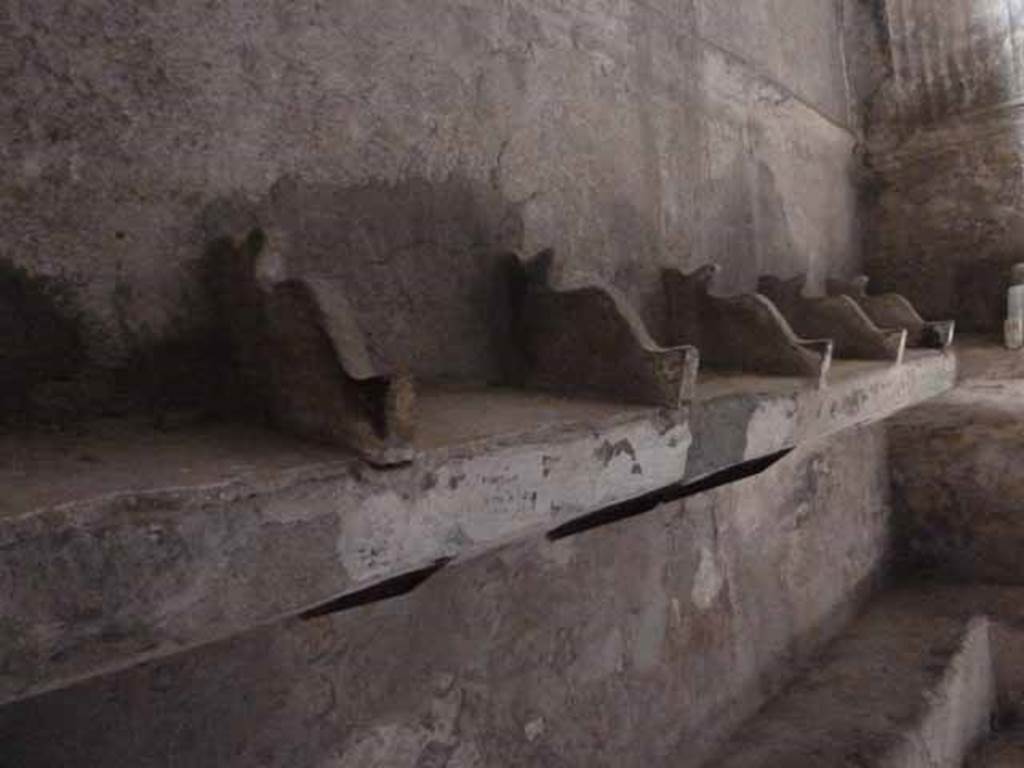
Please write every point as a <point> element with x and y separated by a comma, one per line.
<point>590,339</point>
<point>745,332</point>
<point>302,350</point>
<point>895,310</point>
<point>856,335</point>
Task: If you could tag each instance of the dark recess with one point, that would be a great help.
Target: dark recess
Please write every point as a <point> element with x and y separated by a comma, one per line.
<point>41,342</point>
<point>644,504</point>
<point>395,587</point>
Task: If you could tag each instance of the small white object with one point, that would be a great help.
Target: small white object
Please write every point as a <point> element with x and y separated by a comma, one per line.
<point>1013,329</point>
<point>1013,332</point>
<point>1015,302</point>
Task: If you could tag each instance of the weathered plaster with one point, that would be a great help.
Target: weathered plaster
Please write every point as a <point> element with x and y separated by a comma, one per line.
<point>176,539</point>
<point>641,643</point>
<point>189,537</point>
<point>623,133</point>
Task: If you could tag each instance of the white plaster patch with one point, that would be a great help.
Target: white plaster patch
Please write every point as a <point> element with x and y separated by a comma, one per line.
<point>651,635</point>
<point>384,747</point>
<point>677,613</point>
<point>486,498</point>
<point>534,729</point>
<point>707,584</point>
<point>381,535</point>
<point>724,146</point>
<point>467,755</point>
<point>770,426</point>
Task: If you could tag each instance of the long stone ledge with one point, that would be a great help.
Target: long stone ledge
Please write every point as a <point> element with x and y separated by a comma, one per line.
<point>123,544</point>
<point>740,418</point>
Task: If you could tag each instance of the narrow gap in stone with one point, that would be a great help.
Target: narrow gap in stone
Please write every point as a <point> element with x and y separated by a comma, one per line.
<point>393,587</point>
<point>407,582</point>
<point>644,504</point>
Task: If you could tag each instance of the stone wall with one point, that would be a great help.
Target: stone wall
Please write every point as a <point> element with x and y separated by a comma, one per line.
<point>943,84</point>
<point>955,475</point>
<point>624,133</point>
<point>635,644</point>
<point>405,140</point>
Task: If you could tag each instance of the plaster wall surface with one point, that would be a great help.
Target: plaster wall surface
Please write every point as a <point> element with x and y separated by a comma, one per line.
<point>942,88</point>
<point>641,643</point>
<point>411,137</point>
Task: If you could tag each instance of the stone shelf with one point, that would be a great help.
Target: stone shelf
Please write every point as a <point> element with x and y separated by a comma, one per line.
<point>121,544</point>
<point>739,418</point>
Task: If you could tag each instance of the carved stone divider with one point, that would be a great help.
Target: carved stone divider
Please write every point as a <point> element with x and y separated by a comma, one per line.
<point>588,338</point>
<point>744,332</point>
<point>895,310</point>
<point>856,335</point>
<point>301,350</point>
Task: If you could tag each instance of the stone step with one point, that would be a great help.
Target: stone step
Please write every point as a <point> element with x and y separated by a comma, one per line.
<point>915,681</point>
